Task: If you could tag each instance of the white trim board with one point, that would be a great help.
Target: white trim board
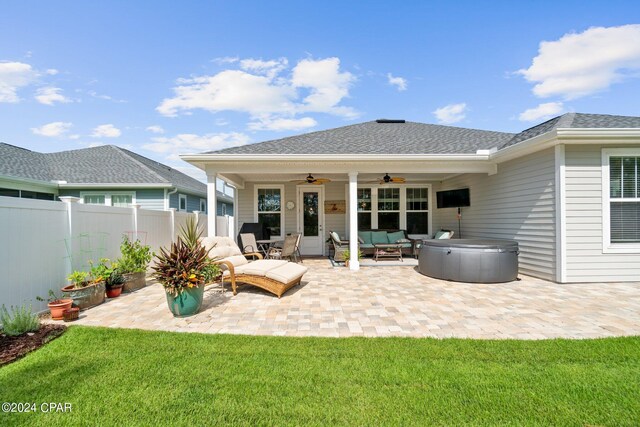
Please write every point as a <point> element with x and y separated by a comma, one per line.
<point>561,214</point>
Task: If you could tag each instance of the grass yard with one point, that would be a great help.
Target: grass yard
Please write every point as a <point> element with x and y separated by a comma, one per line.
<point>130,377</point>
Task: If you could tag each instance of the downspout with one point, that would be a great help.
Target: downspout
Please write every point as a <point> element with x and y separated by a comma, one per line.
<point>167,203</point>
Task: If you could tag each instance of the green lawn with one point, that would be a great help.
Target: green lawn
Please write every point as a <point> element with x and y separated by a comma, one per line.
<point>130,377</point>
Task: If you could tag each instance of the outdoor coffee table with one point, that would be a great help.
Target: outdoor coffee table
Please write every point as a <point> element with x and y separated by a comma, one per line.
<point>387,250</point>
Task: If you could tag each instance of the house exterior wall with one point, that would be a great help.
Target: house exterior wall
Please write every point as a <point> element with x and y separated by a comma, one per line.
<point>147,198</point>
<point>516,203</point>
<point>585,260</point>
<point>193,201</point>
<point>15,185</point>
<point>332,191</point>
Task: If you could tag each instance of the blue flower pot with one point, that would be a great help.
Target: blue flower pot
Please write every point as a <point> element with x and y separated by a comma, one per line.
<point>187,303</point>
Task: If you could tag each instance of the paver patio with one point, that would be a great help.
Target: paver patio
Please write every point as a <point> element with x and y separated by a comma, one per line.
<point>392,301</point>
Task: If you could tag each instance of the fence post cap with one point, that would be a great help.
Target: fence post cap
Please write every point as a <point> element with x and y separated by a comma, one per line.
<point>136,206</point>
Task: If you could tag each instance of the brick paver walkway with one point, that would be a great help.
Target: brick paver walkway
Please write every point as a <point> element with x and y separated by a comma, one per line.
<point>392,301</point>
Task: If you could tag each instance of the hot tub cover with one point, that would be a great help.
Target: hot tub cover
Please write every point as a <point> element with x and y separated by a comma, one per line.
<point>474,243</point>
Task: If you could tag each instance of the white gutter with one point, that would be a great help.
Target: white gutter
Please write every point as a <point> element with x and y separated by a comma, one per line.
<point>112,185</point>
<point>167,200</point>
<point>48,184</point>
<point>329,157</point>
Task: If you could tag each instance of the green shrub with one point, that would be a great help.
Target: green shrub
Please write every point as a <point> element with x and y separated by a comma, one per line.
<point>20,320</point>
<point>135,256</point>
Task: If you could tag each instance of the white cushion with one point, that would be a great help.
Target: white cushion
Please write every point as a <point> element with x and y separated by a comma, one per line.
<point>237,260</point>
<point>287,273</point>
<point>220,247</point>
<point>335,236</point>
<point>260,267</point>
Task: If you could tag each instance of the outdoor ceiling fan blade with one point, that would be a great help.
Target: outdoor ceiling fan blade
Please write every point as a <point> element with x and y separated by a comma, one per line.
<point>322,180</point>
<point>398,179</point>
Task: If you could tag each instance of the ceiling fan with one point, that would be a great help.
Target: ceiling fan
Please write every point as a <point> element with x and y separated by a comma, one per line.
<point>311,180</point>
<point>386,179</point>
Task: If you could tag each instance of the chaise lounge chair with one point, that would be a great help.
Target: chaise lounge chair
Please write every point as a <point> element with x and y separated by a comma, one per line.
<point>275,276</point>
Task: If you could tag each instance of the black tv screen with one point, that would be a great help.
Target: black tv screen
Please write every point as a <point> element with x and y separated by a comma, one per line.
<point>453,198</point>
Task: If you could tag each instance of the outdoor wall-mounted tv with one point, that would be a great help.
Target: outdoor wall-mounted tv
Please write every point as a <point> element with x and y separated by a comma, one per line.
<point>453,198</point>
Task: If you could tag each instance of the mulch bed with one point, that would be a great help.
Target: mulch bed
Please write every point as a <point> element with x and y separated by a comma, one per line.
<point>12,348</point>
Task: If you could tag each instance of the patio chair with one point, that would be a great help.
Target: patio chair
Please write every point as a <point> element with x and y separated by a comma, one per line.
<point>249,244</point>
<point>297,254</point>
<point>275,276</point>
<point>339,246</point>
<point>288,249</point>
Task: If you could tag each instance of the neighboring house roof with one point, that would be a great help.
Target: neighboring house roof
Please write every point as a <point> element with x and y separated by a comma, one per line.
<point>576,121</point>
<point>399,137</point>
<point>380,138</point>
<point>106,164</point>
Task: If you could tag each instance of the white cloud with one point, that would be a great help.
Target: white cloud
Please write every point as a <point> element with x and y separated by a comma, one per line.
<point>106,131</point>
<point>155,129</point>
<point>264,91</point>
<point>542,112</point>
<point>283,124</point>
<point>50,95</point>
<point>270,68</point>
<point>95,94</point>
<point>13,76</point>
<point>226,60</point>
<point>171,147</point>
<point>579,64</point>
<point>52,71</point>
<point>328,86</point>
<point>451,113</point>
<point>399,82</point>
<point>54,129</point>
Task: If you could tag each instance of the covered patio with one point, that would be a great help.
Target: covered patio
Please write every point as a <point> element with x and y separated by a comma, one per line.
<point>391,301</point>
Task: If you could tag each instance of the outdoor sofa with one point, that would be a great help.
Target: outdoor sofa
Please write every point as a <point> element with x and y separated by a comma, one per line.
<point>275,276</point>
<point>369,238</point>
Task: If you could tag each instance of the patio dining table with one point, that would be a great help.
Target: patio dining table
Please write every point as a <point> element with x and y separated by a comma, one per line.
<point>264,245</point>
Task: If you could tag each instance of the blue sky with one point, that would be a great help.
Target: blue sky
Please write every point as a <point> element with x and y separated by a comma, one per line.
<point>164,78</point>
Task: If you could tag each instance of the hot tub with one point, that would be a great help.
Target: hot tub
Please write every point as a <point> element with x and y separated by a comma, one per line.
<point>470,260</point>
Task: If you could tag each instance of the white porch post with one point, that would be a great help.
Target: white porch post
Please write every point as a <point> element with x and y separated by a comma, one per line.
<point>354,263</point>
<point>212,204</point>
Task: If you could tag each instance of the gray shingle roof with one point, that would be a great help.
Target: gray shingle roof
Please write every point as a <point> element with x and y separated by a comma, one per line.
<point>419,138</point>
<point>106,164</point>
<point>575,121</point>
<point>380,138</point>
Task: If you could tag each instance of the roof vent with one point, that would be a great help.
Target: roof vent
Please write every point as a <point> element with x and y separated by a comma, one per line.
<point>389,121</point>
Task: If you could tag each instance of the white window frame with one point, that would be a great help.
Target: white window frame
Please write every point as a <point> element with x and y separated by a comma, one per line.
<point>107,196</point>
<point>203,206</point>
<point>282,202</point>
<point>607,246</point>
<point>427,211</point>
<point>186,204</point>
<point>403,205</point>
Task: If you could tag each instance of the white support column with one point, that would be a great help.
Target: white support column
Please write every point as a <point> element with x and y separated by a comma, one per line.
<point>212,204</point>
<point>236,220</point>
<point>354,263</point>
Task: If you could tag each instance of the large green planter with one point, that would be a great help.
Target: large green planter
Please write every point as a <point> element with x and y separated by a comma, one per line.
<point>187,303</point>
<point>86,297</point>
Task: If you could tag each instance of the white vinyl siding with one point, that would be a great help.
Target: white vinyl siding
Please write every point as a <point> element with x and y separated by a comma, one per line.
<point>516,203</point>
<point>586,261</point>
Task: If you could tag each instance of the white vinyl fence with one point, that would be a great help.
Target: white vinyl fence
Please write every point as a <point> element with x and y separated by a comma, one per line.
<point>41,242</point>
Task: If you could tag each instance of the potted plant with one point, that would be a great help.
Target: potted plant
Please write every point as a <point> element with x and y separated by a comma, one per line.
<point>57,305</point>
<point>346,256</point>
<point>114,283</point>
<point>85,290</point>
<point>135,258</point>
<point>180,271</point>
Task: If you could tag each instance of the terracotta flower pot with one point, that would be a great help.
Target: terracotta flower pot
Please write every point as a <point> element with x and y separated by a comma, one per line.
<point>87,296</point>
<point>58,307</point>
<point>114,291</point>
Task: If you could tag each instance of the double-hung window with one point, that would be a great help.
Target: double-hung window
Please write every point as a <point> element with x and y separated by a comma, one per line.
<point>269,208</point>
<point>621,200</point>
<point>364,208</point>
<point>417,200</point>
<point>388,208</point>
